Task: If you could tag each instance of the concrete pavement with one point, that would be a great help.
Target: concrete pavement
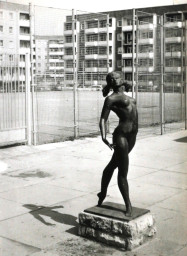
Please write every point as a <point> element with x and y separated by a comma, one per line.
<point>43,189</point>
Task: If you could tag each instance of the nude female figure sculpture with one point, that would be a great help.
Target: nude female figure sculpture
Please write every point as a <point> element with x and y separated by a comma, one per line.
<point>124,135</point>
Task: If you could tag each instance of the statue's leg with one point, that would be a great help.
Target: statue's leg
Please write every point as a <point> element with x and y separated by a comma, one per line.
<point>107,175</point>
<point>122,158</point>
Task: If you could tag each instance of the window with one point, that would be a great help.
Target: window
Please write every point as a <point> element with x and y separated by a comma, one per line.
<point>119,50</point>
<point>1,57</point>
<point>1,28</point>
<point>102,24</point>
<point>11,15</point>
<point>82,25</point>
<point>119,37</point>
<point>110,63</point>
<point>102,37</point>
<point>92,37</point>
<point>119,63</point>
<point>11,58</point>
<point>1,42</point>
<point>10,30</point>
<point>110,49</point>
<point>110,36</point>
<point>129,22</point>
<point>68,39</point>
<point>1,14</point>
<point>119,23</point>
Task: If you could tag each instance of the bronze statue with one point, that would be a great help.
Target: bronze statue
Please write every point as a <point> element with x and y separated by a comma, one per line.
<point>124,135</point>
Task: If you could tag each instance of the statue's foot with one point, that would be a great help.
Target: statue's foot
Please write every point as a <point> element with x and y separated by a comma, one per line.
<point>101,198</point>
<point>128,212</point>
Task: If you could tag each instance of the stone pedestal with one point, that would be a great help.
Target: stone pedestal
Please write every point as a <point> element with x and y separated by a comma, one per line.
<point>108,224</point>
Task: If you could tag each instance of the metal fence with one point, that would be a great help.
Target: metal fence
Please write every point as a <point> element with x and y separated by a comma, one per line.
<point>71,53</point>
<point>160,72</point>
<point>14,99</point>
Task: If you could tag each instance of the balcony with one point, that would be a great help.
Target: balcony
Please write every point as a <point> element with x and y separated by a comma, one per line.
<point>69,32</point>
<point>173,40</point>
<point>69,70</point>
<point>55,45</point>
<point>127,28</point>
<point>24,37</point>
<point>66,45</point>
<point>91,56</point>
<point>173,54</point>
<point>146,55</point>
<point>24,23</point>
<point>24,50</point>
<point>55,68</point>
<point>176,24</point>
<point>56,53</point>
<point>92,43</point>
<point>146,69</point>
<point>56,60</point>
<point>127,55</point>
<point>68,57</point>
<point>173,69</point>
<point>91,30</point>
<point>146,41</point>
<point>127,69</point>
<point>92,69</point>
<point>147,26</point>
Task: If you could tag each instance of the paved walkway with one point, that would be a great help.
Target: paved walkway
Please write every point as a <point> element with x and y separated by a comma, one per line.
<point>43,189</point>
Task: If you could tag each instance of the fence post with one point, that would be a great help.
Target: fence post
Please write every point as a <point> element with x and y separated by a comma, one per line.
<point>133,50</point>
<point>108,63</point>
<point>32,74</point>
<point>162,74</point>
<point>137,33</point>
<point>185,84</point>
<point>28,98</point>
<point>74,78</point>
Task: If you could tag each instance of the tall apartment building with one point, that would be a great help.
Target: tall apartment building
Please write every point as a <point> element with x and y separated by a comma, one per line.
<point>175,47</point>
<point>14,37</point>
<point>49,60</point>
<point>147,45</point>
<point>94,49</point>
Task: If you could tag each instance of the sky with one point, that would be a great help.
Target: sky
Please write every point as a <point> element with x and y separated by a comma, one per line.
<point>99,5</point>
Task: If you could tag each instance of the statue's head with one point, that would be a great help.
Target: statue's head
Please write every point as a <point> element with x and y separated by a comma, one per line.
<point>114,81</point>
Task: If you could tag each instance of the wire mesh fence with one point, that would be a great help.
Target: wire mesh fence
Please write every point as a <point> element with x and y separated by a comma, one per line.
<point>71,53</point>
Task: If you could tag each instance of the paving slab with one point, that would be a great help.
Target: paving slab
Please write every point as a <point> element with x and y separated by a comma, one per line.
<point>171,225</point>
<point>177,202</point>
<point>144,193</point>
<point>14,248</point>
<point>40,228</point>
<point>181,167</point>
<point>10,209</point>
<point>165,178</point>
<point>40,194</point>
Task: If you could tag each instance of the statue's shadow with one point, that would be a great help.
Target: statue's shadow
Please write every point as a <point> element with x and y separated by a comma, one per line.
<point>39,213</point>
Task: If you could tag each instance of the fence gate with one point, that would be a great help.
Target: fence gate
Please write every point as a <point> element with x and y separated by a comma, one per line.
<point>14,77</point>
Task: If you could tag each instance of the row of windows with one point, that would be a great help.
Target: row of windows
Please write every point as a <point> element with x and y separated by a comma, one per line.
<point>88,77</point>
<point>10,44</point>
<point>10,30</point>
<point>98,50</point>
<point>11,15</point>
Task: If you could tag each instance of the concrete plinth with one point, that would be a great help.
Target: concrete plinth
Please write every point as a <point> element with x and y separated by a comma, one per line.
<point>108,224</point>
